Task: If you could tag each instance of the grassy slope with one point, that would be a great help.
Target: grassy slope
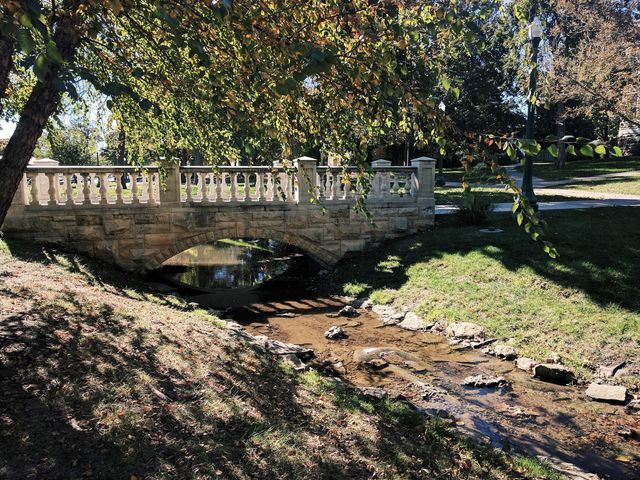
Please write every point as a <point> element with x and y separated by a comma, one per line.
<point>586,305</point>
<point>627,185</point>
<point>100,378</point>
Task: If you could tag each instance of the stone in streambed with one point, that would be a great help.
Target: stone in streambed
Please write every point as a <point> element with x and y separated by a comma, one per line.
<point>483,381</point>
<point>526,364</point>
<point>348,311</point>
<point>412,321</point>
<point>294,361</point>
<point>335,333</point>
<point>607,393</point>
<point>554,373</point>
<point>465,330</point>
<point>609,371</point>
<point>376,363</point>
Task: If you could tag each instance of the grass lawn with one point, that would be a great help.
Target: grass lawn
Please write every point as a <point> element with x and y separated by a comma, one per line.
<point>453,195</point>
<point>103,379</point>
<point>585,305</point>
<point>627,185</point>
<point>586,168</point>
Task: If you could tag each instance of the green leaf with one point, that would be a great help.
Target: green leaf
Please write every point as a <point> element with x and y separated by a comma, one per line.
<point>601,150</point>
<point>446,83</point>
<point>53,53</point>
<point>520,218</point>
<point>586,151</point>
<point>571,150</point>
<point>616,151</point>
<point>40,67</point>
<point>25,41</point>
<point>511,153</point>
<point>553,150</point>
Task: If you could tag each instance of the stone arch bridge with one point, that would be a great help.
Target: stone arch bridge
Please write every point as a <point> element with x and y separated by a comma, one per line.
<point>155,217</point>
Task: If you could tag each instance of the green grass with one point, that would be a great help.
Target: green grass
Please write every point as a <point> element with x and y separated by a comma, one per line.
<point>626,185</point>
<point>586,168</point>
<point>453,195</point>
<point>104,379</point>
<point>585,305</point>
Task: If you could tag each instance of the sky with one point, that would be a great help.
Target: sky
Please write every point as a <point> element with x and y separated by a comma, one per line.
<point>6,129</point>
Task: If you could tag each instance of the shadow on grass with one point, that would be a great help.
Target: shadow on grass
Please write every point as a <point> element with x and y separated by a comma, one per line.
<point>599,248</point>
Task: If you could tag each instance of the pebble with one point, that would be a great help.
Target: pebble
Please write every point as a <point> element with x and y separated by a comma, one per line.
<point>465,330</point>
<point>609,371</point>
<point>526,364</point>
<point>348,311</point>
<point>554,373</point>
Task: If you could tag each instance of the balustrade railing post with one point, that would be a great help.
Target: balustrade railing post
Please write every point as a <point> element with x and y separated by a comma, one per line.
<point>305,178</point>
<point>171,191</point>
<point>424,178</point>
<point>382,179</point>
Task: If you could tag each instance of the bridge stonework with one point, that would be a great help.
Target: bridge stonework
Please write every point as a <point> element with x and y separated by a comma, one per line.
<point>87,209</point>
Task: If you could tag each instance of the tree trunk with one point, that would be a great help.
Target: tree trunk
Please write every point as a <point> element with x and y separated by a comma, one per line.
<point>42,103</point>
<point>7,49</point>
<point>560,132</point>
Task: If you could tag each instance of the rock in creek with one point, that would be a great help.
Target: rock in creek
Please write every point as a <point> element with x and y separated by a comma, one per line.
<point>348,311</point>
<point>388,315</point>
<point>526,364</point>
<point>610,371</point>
<point>484,381</point>
<point>633,407</point>
<point>607,393</point>
<point>465,330</point>
<point>335,333</point>
<point>554,373</point>
<point>295,362</point>
<point>553,358</point>
<point>501,351</point>
<point>376,363</point>
<point>412,321</point>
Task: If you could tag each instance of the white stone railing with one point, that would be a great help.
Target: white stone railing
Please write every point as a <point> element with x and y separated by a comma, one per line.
<point>77,186</point>
<point>82,186</point>
<point>236,185</point>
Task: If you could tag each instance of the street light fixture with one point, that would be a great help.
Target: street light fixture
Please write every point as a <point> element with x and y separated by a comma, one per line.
<point>535,35</point>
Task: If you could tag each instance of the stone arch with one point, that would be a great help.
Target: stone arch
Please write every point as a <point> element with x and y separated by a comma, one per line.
<point>311,248</point>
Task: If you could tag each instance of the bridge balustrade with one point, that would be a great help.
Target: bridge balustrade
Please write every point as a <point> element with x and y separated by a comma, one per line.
<point>295,182</point>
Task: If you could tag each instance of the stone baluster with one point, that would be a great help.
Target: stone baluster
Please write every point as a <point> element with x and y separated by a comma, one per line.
<point>234,187</point>
<point>68,188</point>
<point>104,183</point>
<point>152,188</point>
<point>220,180</point>
<point>202,178</point>
<point>133,176</point>
<point>245,188</point>
<point>189,193</point>
<point>259,187</point>
<point>171,193</point>
<point>270,187</point>
<point>52,191</point>
<point>118,176</point>
<point>35,199</point>
<point>335,185</point>
<point>86,188</point>
<point>305,178</point>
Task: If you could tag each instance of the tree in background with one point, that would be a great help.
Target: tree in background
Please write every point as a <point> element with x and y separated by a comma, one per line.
<point>201,75</point>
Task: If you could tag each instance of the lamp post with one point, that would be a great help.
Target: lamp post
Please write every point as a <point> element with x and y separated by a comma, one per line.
<point>535,35</point>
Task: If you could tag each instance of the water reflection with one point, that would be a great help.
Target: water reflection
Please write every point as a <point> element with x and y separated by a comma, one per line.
<point>231,263</point>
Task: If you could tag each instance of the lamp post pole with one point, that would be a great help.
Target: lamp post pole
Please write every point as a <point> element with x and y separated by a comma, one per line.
<point>535,35</point>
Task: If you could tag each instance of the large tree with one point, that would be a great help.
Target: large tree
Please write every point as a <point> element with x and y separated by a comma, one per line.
<point>229,77</point>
